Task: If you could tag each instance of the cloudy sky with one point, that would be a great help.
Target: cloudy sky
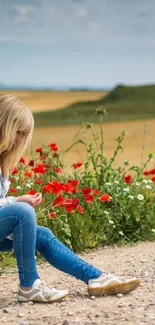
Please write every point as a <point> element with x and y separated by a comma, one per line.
<point>77,42</point>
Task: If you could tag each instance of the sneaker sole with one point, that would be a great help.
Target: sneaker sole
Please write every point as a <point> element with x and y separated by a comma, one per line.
<point>114,289</point>
<point>23,299</point>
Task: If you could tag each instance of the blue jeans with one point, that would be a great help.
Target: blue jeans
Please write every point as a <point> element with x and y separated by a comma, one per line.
<point>20,219</point>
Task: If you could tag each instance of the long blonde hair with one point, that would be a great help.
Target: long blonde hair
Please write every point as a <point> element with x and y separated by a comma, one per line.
<point>15,118</point>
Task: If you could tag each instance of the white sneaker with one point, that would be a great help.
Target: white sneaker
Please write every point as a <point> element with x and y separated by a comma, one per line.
<point>112,285</point>
<point>41,293</point>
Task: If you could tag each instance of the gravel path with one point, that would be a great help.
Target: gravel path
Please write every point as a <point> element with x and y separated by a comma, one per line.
<point>137,308</point>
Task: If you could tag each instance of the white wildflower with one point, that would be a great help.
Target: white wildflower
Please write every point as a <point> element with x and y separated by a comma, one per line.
<point>145,181</point>
<point>116,182</point>
<point>109,184</point>
<point>28,185</point>
<point>106,212</point>
<point>140,197</point>
<point>126,190</point>
<point>131,197</point>
<point>18,187</point>
<point>153,230</point>
<point>111,222</point>
<point>150,181</point>
<point>137,183</point>
<point>121,233</point>
<point>149,187</point>
<point>31,184</point>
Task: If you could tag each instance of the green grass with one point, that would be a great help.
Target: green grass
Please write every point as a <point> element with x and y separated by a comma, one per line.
<point>122,103</point>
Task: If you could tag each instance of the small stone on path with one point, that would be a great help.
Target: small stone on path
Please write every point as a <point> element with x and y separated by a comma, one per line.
<point>120,295</point>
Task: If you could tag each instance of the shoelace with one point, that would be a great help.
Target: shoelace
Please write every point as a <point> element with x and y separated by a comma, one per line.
<point>112,276</point>
<point>45,287</point>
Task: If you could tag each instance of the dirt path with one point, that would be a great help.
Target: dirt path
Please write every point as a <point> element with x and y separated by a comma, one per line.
<point>137,308</point>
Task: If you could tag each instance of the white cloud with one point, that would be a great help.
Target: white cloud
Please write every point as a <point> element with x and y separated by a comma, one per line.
<point>81,12</point>
<point>22,12</point>
<point>77,22</point>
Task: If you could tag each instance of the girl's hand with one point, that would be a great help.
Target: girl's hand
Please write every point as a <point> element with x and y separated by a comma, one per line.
<point>33,200</point>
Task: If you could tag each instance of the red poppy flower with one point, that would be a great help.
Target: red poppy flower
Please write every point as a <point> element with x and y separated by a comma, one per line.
<point>52,187</point>
<point>12,190</point>
<point>32,192</point>
<point>75,202</point>
<point>68,188</point>
<point>42,157</point>
<point>59,200</point>
<point>39,181</point>
<point>128,179</point>
<point>152,171</point>
<point>89,198</point>
<point>58,170</point>
<point>40,169</point>
<point>105,197</point>
<point>55,149</point>
<point>80,209</point>
<point>146,173</point>
<point>47,189</point>
<point>31,163</point>
<point>86,190</point>
<point>69,207</point>
<point>70,204</point>
<point>77,165</point>
<point>52,214</point>
<point>97,192</point>
<point>153,179</point>
<point>55,186</point>
<point>28,174</point>
<point>40,149</point>
<point>22,160</point>
<point>73,182</point>
<point>53,146</point>
<point>15,171</point>
<point>11,179</point>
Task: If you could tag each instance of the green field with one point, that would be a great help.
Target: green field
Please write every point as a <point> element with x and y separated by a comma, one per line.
<point>122,103</point>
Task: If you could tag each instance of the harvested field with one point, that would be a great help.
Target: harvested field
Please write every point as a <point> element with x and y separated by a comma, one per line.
<point>49,100</point>
<point>139,134</point>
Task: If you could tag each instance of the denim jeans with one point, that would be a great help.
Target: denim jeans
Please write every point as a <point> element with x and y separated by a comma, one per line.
<point>20,219</point>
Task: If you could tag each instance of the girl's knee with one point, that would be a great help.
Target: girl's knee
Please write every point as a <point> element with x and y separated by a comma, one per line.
<point>45,232</point>
<point>23,209</point>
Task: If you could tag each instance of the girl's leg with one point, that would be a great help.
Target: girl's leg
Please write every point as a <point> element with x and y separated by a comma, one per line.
<point>62,258</point>
<point>65,260</point>
<point>19,219</point>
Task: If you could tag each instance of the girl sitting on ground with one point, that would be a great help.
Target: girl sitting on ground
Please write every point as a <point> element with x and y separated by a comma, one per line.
<point>19,230</point>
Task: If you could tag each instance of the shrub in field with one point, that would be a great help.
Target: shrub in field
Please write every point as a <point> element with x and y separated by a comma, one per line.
<point>95,203</point>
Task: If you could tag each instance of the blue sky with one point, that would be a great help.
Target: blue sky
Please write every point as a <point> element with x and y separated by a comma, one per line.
<point>77,42</point>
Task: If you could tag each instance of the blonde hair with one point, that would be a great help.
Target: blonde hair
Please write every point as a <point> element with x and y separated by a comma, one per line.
<point>15,118</point>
